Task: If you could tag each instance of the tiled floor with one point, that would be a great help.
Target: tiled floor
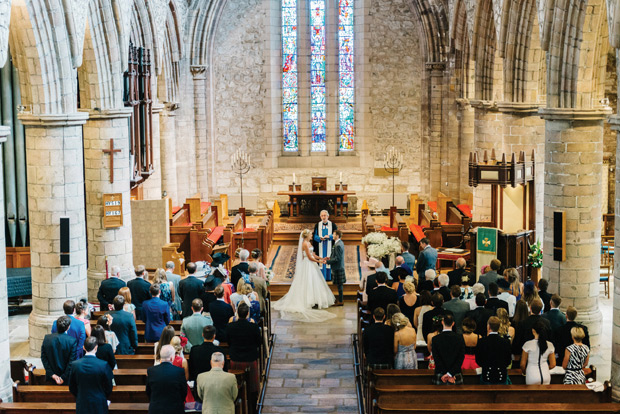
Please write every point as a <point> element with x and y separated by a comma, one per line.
<point>312,366</point>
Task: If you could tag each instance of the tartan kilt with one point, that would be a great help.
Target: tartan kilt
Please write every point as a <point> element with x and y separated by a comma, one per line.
<point>339,276</point>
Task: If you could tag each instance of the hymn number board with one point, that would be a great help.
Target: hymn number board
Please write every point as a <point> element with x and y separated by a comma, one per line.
<point>112,210</point>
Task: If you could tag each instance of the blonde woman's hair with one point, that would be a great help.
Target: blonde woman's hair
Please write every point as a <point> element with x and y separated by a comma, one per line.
<point>409,287</point>
<point>126,293</point>
<point>305,233</point>
<point>578,333</point>
<point>399,321</point>
<point>176,344</point>
<point>240,284</point>
<point>504,322</point>
<point>246,289</point>
<point>160,277</point>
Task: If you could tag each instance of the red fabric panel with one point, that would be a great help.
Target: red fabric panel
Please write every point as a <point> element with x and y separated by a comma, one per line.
<point>204,207</point>
<point>216,234</point>
<point>417,231</point>
<point>433,206</point>
<point>386,228</point>
<point>465,209</point>
<point>175,210</point>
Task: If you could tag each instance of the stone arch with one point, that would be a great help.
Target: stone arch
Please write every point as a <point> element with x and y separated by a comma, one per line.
<point>484,48</point>
<point>168,81</point>
<point>435,28</point>
<point>101,74</point>
<point>41,51</point>
<point>520,48</point>
<point>460,48</point>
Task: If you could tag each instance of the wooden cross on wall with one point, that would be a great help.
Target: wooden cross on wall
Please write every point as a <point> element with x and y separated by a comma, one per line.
<point>111,151</point>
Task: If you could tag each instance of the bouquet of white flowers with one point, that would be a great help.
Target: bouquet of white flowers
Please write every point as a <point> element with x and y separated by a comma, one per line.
<point>376,237</point>
<point>377,250</point>
<point>270,275</point>
<point>393,245</point>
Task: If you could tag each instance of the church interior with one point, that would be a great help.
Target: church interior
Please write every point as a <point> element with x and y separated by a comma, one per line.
<point>141,132</point>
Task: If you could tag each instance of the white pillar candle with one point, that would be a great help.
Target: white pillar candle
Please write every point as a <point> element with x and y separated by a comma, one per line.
<point>293,177</point>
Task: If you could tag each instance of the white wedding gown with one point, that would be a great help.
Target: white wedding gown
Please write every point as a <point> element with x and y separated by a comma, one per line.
<point>307,290</point>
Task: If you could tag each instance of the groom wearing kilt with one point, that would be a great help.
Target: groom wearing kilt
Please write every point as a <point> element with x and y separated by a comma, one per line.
<point>322,238</point>
<point>336,261</point>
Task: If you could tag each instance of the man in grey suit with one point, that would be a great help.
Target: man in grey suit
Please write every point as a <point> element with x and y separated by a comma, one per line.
<point>336,261</point>
<point>260,286</point>
<point>175,279</point>
<point>220,387</point>
<point>457,306</point>
<point>490,276</point>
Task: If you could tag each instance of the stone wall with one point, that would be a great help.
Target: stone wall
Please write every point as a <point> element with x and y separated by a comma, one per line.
<point>246,100</point>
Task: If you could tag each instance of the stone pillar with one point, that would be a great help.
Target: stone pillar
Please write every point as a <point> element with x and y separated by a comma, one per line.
<point>152,186</point>
<point>573,160</point>
<point>5,365</point>
<point>615,343</point>
<point>525,131</point>
<point>465,117</point>
<point>55,189</point>
<point>114,243</point>
<point>168,147</point>
<point>438,166</point>
<point>488,129</point>
<point>200,119</point>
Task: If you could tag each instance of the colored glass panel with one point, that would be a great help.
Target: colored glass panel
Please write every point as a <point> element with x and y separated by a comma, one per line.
<point>289,75</point>
<point>346,66</point>
<point>317,74</point>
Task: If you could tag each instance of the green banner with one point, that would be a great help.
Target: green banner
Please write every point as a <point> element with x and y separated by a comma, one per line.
<point>487,240</point>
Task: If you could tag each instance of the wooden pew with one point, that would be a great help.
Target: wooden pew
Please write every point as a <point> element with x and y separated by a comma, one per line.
<point>397,407</point>
<point>67,408</point>
<point>170,253</point>
<point>368,223</point>
<point>250,238</point>
<point>399,229</point>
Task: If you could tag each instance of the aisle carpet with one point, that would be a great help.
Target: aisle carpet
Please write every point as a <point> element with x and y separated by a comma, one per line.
<point>285,259</point>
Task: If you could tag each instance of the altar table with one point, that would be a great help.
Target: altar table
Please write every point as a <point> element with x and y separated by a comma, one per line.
<point>310,204</point>
<point>451,254</point>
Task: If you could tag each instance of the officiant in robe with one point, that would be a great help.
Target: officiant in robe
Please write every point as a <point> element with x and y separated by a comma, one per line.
<point>322,241</point>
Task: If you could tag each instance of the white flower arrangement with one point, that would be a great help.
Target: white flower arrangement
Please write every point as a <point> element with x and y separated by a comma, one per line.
<point>379,245</point>
<point>376,237</point>
<point>270,275</point>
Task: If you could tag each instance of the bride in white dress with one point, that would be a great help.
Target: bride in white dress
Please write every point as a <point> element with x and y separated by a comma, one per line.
<point>308,288</point>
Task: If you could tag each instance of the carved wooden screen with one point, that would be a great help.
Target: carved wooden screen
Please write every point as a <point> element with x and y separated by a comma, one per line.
<point>138,96</point>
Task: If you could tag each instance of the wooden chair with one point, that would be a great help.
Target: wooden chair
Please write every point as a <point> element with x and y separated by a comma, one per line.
<point>319,183</point>
<point>293,204</point>
<point>607,268</point>
<point>344,201</point>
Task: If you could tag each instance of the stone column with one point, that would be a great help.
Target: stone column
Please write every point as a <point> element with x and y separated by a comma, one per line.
<point>114,243</point>
<point>200,119</point>
<point>465,117</point>
<point>152,186</point>
<point>168,147</point>
<point>615,343</point>
<point>525,131</point>
<point>438,166</point>
<point>55,189</point>
<point>573,160</point>
<point>488,129</point>
<point>5,365</point>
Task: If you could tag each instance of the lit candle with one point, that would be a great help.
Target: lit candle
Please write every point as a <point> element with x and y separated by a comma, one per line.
<point>340,176</point>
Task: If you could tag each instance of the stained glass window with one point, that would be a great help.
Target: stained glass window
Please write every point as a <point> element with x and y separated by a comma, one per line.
<point>317,73</point>
<point>346,92</point>
<point>289,74</point>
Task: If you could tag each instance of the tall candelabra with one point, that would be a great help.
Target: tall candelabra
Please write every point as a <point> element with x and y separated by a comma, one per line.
<point>393,163</point>
<point>241,165</point>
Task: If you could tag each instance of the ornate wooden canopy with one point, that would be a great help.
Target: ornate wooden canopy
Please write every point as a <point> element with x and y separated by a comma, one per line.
<point>501,173</point>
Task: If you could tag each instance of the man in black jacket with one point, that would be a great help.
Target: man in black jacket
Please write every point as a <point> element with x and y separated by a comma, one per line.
<point>139,288</point>
<point>242,268</point>
<point>427,319</point>
<point>190,288</point>
<point>109,288</point>
<point>124,326</point>
<point>200,355</point>
<point>449,353</point>
<point>493,302</point>
<point>220,312</point>
<point>91,381</point>
<point>378,340</point>
<point>58,352</point>
<point>166,385</point>
<point>427,280</point>
<point>381,296</point>
<point>460,276</point>
<point>371,280</point>
<point>523,332</point>
<point>543,285</point>
<point>481,315</point>
<point>562,336</point>
<point>493,354</point>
